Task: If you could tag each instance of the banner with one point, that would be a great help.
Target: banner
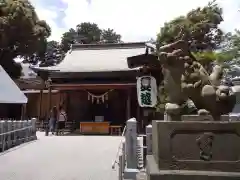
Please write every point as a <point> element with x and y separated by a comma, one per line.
<point>147,91</point>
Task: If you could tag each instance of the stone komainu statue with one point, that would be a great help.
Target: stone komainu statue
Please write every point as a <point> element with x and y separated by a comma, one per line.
<point>189,87</point>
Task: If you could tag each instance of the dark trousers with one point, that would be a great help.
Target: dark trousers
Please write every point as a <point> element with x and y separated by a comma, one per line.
<point>52,125</point>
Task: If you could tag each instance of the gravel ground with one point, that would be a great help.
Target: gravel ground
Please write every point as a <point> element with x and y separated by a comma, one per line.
<point>62,158</point>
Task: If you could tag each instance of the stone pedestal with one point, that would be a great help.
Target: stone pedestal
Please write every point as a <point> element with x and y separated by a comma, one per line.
<point>200,150</point>
<point>196,118</point>
<point>34,129</point>
<point>131,170</point>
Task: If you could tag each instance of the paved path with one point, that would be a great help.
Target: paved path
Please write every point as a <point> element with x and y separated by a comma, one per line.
<point>62,158</point>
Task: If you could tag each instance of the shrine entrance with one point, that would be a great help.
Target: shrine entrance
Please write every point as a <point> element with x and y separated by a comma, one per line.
<point>106,105</point>
<point>98,105</point>
<point>95,110</point>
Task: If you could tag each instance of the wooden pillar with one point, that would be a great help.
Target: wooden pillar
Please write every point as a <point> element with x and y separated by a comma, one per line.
<point>139,117</point>
<point>23,111</point>
<point>60,98</point>
<point>49,86</point>
<point>49,99</point>
<point>40,105</point>
<point>128,113</point>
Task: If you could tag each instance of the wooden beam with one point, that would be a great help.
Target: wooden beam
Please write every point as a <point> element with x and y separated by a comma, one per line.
<point>38,91</point>
<point>92,86</point>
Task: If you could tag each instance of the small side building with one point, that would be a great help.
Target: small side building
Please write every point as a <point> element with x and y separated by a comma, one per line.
<point>12,99</point>
<point>35,90</point>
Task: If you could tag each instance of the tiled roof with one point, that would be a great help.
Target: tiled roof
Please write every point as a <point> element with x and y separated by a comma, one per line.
<point>98,58</point>
<point>9,91</point>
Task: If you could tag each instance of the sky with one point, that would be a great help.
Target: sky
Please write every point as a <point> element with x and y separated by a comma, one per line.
<point>135,20</point>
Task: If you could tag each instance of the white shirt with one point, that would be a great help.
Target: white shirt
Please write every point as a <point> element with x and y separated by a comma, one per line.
<point>62,116</point>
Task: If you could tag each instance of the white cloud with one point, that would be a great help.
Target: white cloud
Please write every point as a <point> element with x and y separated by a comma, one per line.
<point>135,20</point>
<point>231,14</point>
<point>49,15</point>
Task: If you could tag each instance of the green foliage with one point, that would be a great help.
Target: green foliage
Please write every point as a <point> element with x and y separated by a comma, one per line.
<point>231,45</point>
<point>210,56</point>
<point>88,33</point>
<point>68,38</point>
<point>22,33</point>
<point>199,27</point>
<point>110,36</point>
<point>228,53</point>
<point>205,56</point>
<point>53,54</point>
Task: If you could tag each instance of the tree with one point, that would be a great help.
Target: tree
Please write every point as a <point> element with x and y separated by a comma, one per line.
<point>110,36</point>
<point>231,45</point>
<point>231,50</point>
<point>200,27</point>
<point>68,38</point>
<point>53,54</point>
<point>88,33</point>
<point>49,54</point>
<point>39,55</point>
<point>21,33</point>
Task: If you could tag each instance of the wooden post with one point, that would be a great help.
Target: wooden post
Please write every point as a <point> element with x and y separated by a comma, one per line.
<point>139,117</point>
<point>23,111</point>
<point>49,99</point>
<point>60,99</point>
<point>128,113</point>
<point>48,85</point>
<point>40,105</point>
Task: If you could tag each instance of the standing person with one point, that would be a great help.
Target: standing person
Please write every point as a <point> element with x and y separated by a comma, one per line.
<point>53,119</point>
<point>62,118</point>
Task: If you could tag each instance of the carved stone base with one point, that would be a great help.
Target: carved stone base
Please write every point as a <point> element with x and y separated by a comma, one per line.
<point>153,173</point>
<point>201,145</point>
<point>194,149</point>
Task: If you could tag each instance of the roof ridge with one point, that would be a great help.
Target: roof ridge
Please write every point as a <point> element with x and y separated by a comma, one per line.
<point>128,45</point>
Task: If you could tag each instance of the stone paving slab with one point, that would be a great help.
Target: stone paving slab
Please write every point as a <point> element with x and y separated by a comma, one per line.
<point>62,158</point>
